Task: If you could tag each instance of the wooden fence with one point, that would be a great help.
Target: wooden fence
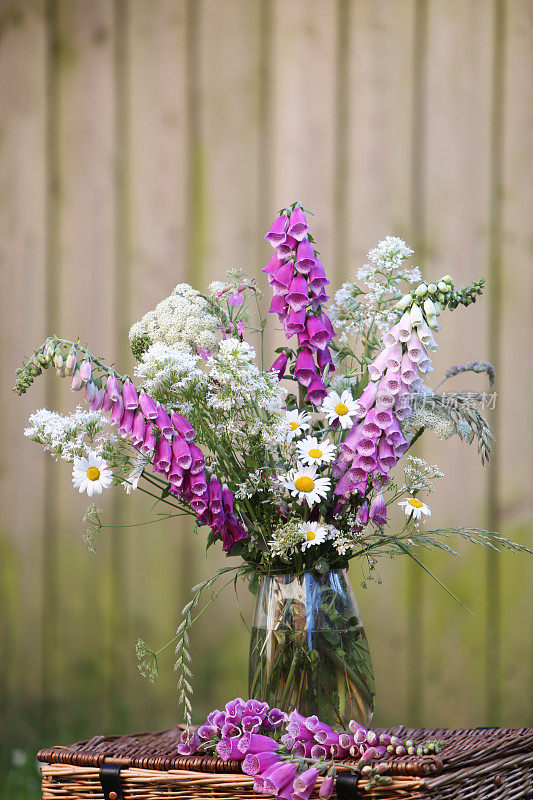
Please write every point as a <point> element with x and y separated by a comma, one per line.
<point>148,142</point>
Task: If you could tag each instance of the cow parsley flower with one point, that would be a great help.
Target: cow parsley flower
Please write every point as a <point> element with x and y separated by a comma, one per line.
<point>69,436</point>
<point>166,372</point>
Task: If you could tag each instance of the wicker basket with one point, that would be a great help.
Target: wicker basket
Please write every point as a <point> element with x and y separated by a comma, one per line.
<point>483,763</point>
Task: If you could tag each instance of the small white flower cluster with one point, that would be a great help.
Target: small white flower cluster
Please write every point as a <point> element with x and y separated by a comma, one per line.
<point>257,481</point>
<point>346,543</point>
<point>419,475</point>
<point>356,310</point>
<point>164,369</point>
<point>69,436</point>
<point>183,318</point>
<point>254,399</point>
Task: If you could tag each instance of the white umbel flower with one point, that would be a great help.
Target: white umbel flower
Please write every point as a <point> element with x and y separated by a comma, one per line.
<point>310,451</point>
<point>91,474</point>
<point>314,533</point>
<point>414,507</point>
<point>303,483</point>
<point>297,422</point>
<point>340,407</point>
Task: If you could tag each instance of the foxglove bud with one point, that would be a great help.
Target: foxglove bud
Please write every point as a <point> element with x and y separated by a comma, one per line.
<point>404,302</point>
<point>70,363</point>
<point>58,358</point>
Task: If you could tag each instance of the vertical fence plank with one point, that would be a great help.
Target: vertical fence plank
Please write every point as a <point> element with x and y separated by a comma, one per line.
<point>22,323</point>
<point>380,129</point>
<point>457,150</point>
<point>515,384</point>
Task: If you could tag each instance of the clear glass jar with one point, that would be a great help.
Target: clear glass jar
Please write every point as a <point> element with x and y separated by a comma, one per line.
<point>309,650</point>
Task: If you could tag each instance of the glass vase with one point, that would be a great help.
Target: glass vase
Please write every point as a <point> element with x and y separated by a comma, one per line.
<point>309,650</point>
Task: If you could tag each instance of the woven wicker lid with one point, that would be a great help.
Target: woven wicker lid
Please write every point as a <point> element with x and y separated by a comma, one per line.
<point>158,751</point>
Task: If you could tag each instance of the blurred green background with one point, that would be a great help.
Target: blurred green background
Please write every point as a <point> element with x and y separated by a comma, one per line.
<point>148,142</point>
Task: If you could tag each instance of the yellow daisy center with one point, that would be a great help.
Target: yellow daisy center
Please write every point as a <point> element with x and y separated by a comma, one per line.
<point>304,483</point>
<point>293,426</point>
<point>93,473</point>
<point>341,409</point>
<point>315,452</point>
<point>310,535</point>
<point>415,503</point>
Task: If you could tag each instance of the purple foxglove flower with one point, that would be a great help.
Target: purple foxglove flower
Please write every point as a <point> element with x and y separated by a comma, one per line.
<point>392,381</point>
<point>189,744</point>
<point>229,748</point>
<point>317,277</point>
<point>130,396</point>
<point>393,433</point>
<point>175,473</point>
<point>368,398</point>
<point>251,724</point>
<point>150,439</point>
<point>277,233</point>
<point>303,340</point>
<point>366,446</point>
<point>369,755</point>
<point>162,455</point>
<point>324,360</point>
<point>76,382</point>
<point>372,738</point>
<point>227,500</point>
<point>198,485</point>
<point>386,455</point>
<point>361,516</point>
<point>305,782</point>
<point>85,370</point>
<point>346,486</point>
<point>415,349</point>
<point>199,504</point>
<point>401,447</point>
<point>318,299</point>
<point>408,369</point>
<point>116,413</point>
<point>254,763</point>
<point>235,532</point>
<point>312,723</point>
<point>112,388</point>
<point>256,707</point>
<point>318,752</point>
<point>256,743</point>
<point>138,428</point>
<point>392,337</point>
<point>280,365</point>
<point>279,306</point>
<point>163,423</point>
<point>316,391</point>
<point>288,741</point>
<point>303,749</point>
<point>298,226</point>
<point>198,460</point>
<point>367,464</point>
<point>207,731</point>
<point>285,250</point>
<point>90,391</point>
<point>305,257</point>
<point>273,265</point>
<point>298,294</point>
<point>378,366</point>
<point>404,327</point>
<point>275,719</point>
<point>380,752</point>
<point>383,418</point>
<point>294,322</point>
<point>305,370</point>
<point>126,423</point>
<point>378,510</point>
<point>369,427</point>
<point>394,357</point>
<point>182,452</point>
<point>425,366</point>
<point>355,728</point>
<point>326,787</point>
<point>384,739</point>
<point>107,403</point>
<point>148,406</point>
<point>402,406</point>
<point>215,495</point>
<point>281,775</point>
<point>97,401</point>
<point>230,731</point>
<point>282,279</point>
<point>183,427</point>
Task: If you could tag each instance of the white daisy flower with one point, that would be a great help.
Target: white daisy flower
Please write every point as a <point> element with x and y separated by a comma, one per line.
<point>314,533</point>
<point>340,407</point>
<point>91,474</point>
<point>303,483</point>
<point>133,478</point>
<point>311,452</point>
<point>297,423</point>
<point>414,507</point>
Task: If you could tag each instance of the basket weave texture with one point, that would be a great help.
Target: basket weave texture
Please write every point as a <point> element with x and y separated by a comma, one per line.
<point>489,764</point>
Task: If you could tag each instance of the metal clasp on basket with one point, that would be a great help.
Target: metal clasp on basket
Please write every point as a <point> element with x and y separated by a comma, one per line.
<point>346,785</point>
<point>110,782</point>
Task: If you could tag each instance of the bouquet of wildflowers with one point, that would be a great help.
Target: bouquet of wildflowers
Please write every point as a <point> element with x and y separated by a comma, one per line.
<point>289,465</point>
